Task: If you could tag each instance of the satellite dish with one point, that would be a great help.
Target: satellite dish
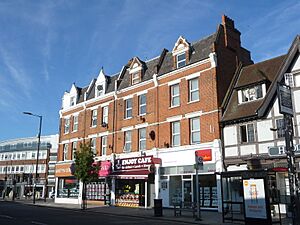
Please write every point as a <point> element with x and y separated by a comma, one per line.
<point>99,87</point>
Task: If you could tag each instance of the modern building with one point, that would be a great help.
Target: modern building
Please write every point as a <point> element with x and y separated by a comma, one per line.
<point>18,166</point>
<point>146,123</point>
<point>253,127</point>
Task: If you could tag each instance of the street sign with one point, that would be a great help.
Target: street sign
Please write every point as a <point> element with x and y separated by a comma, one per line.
<point>285,99</point>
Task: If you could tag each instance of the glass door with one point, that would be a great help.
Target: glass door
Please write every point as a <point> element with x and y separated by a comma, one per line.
<point>187,191</point>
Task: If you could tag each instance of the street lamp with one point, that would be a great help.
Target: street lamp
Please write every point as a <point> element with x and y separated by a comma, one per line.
<point>38,150</point>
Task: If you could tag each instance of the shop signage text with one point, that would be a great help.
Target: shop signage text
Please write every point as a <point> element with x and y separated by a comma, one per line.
<point>205,154</point>
<point>133,163</point>
<point>105,169</point>
<point>64,170</point>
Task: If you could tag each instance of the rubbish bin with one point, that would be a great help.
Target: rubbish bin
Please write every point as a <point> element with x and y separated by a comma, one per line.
<point>158,210</point>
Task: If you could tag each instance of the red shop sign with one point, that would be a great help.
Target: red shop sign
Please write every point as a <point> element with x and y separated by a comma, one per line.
<point>205,154</point>
<point>133,163</point>
<point>105,169</point>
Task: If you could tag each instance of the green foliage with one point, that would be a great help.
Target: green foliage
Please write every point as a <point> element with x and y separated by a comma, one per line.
<point>85,169</point>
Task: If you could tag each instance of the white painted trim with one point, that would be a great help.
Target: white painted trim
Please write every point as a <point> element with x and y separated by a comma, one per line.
<point>192,76</point>
<point>213,59</point>
<point>105,104</point>
<point>193,114</point>
<point>173,82</point>
<point>76,113</point>
<point>106,133</point>
<point>127,128</point>
<point>174,118</point>
<point>73,139</point>
<point>142,92</point>
<point>65,142</point>
<point>93,108</point>
<point>67,117</point>
<point>134,70</point>
<point>127,97</point>
<point>142,125</point>
<point>135,86</point>
<point>92,136</point>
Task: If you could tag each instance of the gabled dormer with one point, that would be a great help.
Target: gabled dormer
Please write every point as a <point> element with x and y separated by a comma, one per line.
<point>70,98</point>
<point>181,52</point>
<point>136,71</point>
<point>100,84</point>
<point>252,93</point>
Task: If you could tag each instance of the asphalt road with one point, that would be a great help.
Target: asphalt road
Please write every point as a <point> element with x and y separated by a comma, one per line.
<point>12,213</point>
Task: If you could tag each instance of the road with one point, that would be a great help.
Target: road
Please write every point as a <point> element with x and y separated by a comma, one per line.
<point>12,213</point>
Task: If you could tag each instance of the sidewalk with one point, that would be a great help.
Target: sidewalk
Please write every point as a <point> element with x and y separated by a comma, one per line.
<point>207,217</point>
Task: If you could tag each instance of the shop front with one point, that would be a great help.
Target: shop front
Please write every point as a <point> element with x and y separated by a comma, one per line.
<point>67,186</point>
<point>100,190</point>
<point>178,176</point>
<point>133,181</point>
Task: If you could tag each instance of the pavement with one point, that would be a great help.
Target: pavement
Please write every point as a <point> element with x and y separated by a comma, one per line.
<point>207,217</point>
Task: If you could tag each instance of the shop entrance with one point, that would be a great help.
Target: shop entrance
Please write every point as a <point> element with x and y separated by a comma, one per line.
<point>187,191</point>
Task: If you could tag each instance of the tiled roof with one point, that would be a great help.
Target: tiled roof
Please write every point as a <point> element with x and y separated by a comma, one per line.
<point>250,75</point>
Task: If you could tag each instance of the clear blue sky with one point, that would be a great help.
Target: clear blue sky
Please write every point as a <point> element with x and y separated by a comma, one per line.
<point>46,45</point>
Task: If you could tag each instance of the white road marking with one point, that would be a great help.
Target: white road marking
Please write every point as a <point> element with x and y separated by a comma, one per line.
<point>6,216</point>
<point>35,222</point>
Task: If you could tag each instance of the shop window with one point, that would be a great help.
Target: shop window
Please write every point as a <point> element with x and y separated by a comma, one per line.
<point>68,188</point>
<point>247,133</point>
<point>97,191</point>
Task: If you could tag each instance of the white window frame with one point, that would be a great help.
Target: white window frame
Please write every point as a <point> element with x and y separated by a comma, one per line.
<point>67,125</point>
<point>179,62</point>
<point>75,123</point>
<point>105,114</point>
<point>74,148</point>
<point>289,79</point>
<point>247,126</point>
<point>196,90</point>
<point>194,131</point>
<point>72,101</point>
<point>135,78</point>
<point>94,115</point>
<point>65,151</point>
<point>128,109</point>
<point>142,139</point>
<point>252,93</point>
<point>175,96</point>
<point>104,145</point>
<point>175,134</point>
<point>93,145</point>
<point>142,105</point>
<point>128,141</point>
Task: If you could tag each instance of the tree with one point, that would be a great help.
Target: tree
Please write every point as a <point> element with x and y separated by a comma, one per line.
<point>85,169</point>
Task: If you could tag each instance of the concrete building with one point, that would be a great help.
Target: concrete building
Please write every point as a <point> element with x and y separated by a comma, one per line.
<point>146,122</point>
<point>18,165</point>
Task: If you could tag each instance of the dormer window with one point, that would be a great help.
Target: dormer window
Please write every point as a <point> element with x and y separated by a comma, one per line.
<point>181,60</point>
<point>72,101</point>
<point>135,78</point>
<point>252,93</point>
<point>99,90</point>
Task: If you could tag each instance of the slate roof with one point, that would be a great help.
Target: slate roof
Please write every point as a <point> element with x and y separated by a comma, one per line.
<point>263,72</point>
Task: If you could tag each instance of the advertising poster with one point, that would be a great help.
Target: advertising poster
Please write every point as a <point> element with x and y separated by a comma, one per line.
<point>254,195</point>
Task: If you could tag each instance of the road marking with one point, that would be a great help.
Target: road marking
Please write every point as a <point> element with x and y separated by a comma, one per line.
<point>6,216</point>
<point>35,222</point>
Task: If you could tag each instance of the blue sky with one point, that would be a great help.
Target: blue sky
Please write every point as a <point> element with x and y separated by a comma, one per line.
<point>46,45</point>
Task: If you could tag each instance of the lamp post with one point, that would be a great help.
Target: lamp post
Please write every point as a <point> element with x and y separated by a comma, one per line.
<point>38,151</point>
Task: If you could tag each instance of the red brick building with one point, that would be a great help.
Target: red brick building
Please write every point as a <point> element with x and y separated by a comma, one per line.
<point>153,114</point>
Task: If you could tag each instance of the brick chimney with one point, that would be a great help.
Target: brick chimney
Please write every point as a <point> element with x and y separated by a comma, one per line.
<point>232,35</point>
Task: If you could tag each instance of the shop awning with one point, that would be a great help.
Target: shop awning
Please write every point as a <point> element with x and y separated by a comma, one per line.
<point>132,174</point>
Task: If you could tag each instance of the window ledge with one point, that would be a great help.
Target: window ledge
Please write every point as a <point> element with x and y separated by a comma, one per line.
<point>193,101</point>
<point>128,118</point>
<point>172,107</point>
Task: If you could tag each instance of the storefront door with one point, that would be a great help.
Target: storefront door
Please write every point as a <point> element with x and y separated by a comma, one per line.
<point>187,190</point>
